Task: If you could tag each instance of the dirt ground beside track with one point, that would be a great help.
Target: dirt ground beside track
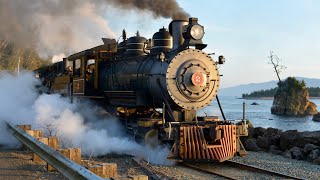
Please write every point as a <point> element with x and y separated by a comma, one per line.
<point>17,164</point>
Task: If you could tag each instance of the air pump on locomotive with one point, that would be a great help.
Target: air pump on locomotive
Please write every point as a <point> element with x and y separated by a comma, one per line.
<point>156,87</point>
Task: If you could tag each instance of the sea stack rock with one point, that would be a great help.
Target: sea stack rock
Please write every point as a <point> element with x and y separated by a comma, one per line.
<point>292,99</point>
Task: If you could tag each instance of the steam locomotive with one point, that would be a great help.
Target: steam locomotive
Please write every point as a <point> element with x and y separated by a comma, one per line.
<point>155,87</point>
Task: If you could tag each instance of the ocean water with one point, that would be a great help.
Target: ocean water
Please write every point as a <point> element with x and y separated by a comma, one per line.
<point>260,115</point>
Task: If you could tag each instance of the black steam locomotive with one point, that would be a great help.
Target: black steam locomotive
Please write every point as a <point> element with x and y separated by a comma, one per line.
<point>155,87</point>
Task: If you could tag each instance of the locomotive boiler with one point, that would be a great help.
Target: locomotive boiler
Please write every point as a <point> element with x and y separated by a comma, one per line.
<point>155,87</point>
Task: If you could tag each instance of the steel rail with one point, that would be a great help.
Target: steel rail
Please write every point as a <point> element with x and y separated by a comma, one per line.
<point>238,166</point>
<point>208,171</point>
<point>64,165</point>
<point>262,170</point>
<point>152,172</point>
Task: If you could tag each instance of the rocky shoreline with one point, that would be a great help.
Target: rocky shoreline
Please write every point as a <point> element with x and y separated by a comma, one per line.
<point>291,144</point>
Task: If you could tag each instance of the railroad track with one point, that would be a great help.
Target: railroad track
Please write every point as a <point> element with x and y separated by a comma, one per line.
<point>71,170</point>
<point>234,170</point>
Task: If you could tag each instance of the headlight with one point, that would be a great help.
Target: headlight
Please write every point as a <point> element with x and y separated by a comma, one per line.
<point>197,32</point>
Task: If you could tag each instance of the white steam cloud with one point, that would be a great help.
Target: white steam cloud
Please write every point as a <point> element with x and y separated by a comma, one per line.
<point>54,26</point>
<point>80,29</point>
<point>17,96</point>
<point>58,57</point>
<point>77,125</point>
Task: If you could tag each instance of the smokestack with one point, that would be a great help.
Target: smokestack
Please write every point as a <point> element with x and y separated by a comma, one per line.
<point>175,29</point>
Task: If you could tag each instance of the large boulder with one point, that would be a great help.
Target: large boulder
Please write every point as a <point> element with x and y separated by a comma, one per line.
<point>251,145</point>
<point>274,150</point>
<point>287,154</point>
<point>317,160</point>
<point>297,153</point>
<point>292,98</point>
<point>314,154</point>
<point>316,117</point>
<point>288,139</point>
<point>270,132</point>
<point>263,142</point>
<point>308,137</point>
<point>275,140</point>
<point>309,147</point>
<point>259,131</point>
<point>273,135</point>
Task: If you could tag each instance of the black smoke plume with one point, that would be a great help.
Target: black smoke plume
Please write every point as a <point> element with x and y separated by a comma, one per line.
<point>159,8</point>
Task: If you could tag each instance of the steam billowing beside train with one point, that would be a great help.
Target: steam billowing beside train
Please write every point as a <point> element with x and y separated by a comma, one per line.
<point>155,86</point>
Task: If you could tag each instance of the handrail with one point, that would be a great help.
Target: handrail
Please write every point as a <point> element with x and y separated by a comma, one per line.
<point>64,165</point>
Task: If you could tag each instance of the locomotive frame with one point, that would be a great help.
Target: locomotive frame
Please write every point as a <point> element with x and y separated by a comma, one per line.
<point>155,90</point>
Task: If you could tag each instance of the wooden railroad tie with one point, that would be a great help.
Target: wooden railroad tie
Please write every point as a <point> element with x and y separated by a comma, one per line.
<point>139,177</point>
<point>104,170</point>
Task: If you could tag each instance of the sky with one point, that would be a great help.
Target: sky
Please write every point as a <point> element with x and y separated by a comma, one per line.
<point>245,32</point>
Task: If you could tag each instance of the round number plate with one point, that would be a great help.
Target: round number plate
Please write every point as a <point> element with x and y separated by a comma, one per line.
<point>197,79</point>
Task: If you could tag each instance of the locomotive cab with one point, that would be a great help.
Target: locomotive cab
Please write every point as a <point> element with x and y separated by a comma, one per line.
<point>81,77</point>
<point>88,64</point>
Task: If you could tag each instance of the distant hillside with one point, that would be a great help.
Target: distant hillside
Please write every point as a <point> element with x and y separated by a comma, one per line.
<point>313,92</point>
<point>249,88</point>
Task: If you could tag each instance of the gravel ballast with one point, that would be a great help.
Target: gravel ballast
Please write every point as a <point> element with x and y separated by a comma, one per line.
<point>278,163</point>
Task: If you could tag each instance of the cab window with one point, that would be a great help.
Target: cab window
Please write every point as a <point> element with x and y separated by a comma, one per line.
<point>77,67</point>
<point>90,69</point>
